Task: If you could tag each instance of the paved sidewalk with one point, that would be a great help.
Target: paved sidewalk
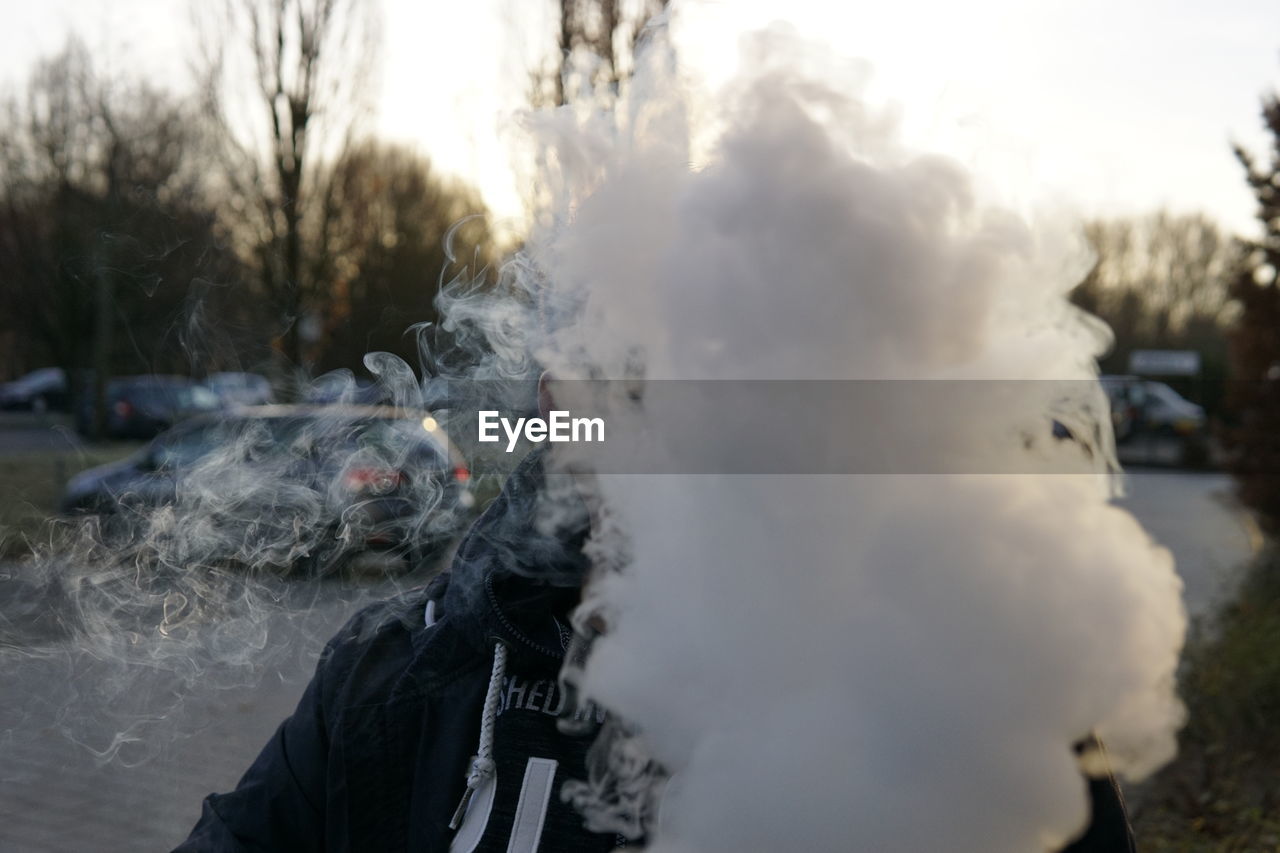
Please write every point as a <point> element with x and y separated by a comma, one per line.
<point>56,795</point>
<point>1193,515</point>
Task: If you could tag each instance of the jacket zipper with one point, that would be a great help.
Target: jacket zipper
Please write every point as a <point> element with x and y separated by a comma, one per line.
<point>511,628</point>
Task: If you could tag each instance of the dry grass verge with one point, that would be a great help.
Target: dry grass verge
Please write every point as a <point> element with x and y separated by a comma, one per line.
<point>32,483</point>
<point>1222,793</point>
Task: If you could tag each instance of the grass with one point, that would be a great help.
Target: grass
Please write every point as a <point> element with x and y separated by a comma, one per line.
<point>1221,794</point>
<point>32,483</point>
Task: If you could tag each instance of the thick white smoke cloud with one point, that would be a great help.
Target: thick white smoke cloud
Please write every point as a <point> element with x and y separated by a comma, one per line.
<point>854,662</point>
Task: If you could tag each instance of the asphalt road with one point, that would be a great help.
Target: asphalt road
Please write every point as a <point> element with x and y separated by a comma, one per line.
<point>1195,517</point>
<point>97,755</point>
<point>64,713</point>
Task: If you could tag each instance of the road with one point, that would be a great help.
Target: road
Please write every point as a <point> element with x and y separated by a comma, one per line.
<point>61,706</point>
<point>1194,516</point>
<point>173,732</point>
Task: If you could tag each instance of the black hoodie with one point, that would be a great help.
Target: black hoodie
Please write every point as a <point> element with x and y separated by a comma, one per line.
<point>378,753</point>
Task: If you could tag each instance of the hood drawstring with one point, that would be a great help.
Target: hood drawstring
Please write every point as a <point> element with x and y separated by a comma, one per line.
<point>482,765</point>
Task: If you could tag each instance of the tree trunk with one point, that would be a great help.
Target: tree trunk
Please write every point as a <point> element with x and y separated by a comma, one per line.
<point>105,297</point>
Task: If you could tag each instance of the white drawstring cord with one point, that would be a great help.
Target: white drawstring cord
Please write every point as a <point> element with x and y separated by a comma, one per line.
<point>482,765</point>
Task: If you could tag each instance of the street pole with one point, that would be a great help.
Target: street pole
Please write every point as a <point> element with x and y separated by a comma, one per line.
<point>105,297</point>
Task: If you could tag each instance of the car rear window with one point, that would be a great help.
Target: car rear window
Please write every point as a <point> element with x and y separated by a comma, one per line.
<point>198,397</point>
<point>333,440</point>
<point>388,439</point>
<point>183,447</point>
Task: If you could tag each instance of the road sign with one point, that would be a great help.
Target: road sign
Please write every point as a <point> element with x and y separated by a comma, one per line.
<point>1164,362</point>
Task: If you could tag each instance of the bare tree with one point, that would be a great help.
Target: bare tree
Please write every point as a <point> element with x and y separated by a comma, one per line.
<point>284,82</point>
<point>387,214</point>
<point>1159,275</point>
<point>1162,281</point>
<point>103,230</point>
<point>585,58</point>
<point>596,43</point>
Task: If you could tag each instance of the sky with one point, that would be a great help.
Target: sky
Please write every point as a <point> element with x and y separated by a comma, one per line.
<point>1105,108</point>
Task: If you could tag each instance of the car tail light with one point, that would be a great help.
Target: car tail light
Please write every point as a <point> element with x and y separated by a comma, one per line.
<point>122,409</point>
<point>378,481</point>
<point>461,474</point>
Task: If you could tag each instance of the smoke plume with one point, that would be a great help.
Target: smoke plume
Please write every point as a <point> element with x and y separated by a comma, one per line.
<point>820,662</point>
<point>140,616</point>
<point>857,662</point>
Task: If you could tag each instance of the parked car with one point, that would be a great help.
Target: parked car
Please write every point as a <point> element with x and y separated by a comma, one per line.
<point>1143,406</point>
<point>1168,412</point>
<point>144,406</point>
<point>1122,393</point>
<point>37,391</point>
<point>241,389</point>
<point>296,486</point>
<point>340,387</point>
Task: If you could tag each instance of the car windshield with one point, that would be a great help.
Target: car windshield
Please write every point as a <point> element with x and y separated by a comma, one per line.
<point>1124,391</point>
<point>337,441</point>
<point>45,377</point>
<point>198,397</point>
<point>398,437</point>
<point>235,382</point>
<point>389,440</point>
<point>149,395</point>
<point>177,394</point>
<point>179,448</point>
<point>1164,394</point>
<point>235,439</point>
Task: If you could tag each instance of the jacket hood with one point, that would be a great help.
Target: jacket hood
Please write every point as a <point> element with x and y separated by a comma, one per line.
<point>519,570</point>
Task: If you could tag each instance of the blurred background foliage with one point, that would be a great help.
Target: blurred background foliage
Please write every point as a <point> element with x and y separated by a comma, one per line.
<point>1162,281</point>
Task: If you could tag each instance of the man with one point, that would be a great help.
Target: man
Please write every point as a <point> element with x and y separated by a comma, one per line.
<point>379,752</point>
<point>431,723</point>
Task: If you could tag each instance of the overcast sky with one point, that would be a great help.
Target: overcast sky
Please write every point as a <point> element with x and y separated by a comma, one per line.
<point>1108,106</point>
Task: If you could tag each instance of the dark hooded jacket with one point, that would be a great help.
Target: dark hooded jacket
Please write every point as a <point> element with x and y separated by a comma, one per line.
<point>376,756</point>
